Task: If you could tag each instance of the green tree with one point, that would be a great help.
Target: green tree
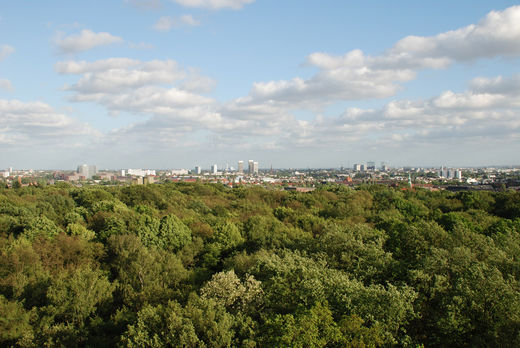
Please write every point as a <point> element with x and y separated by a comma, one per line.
<point>76,296</point>
<point>173,233</point>
<point>15,324</point>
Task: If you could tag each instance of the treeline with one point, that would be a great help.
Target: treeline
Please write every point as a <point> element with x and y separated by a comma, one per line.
<point>209,266</point>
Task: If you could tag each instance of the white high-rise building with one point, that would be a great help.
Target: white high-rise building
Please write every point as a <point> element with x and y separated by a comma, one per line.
<point>88,171</point>
<point>197,170</point>
<point>251,167</point>
<point>214,169</point>
<point>357,167</point>
<point>179,172</point>
<point>240,166</point>
<point>255,167</point>
<point>443,172</point>
<point>141,172</point>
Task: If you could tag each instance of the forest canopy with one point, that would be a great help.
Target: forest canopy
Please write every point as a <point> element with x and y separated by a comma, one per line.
<point>204,265</point>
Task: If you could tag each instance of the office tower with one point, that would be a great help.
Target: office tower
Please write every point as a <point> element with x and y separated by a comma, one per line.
<point>240,166</point>
<point>458,174</point>
<point>357,167</point>
<point>141,172</point>
<point>88,171</point>
<point>363,168</point>
<point>197,170</point>
<point>443,172</point>
<point>214,169</point>
<point>371,165</point>
<point>255,167</point>
<point>251,167</point>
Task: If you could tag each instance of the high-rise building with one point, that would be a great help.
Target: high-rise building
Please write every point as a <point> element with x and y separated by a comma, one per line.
<point>251,167</point>
<point>214,169</point>
<point>197,170</point>
<point>87,171</point>
<point>255,167</point>
<point>371,165</point>
<point>240,166</point>
<point>141,172</point>
<point>357,167</point>
<point>363,168</point>
<point>443,172</point>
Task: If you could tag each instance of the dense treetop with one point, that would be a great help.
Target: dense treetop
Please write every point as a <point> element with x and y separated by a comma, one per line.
<point>209,266</point>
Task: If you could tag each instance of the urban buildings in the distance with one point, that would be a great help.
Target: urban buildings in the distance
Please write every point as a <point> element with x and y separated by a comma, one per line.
<point>87,171</point>
<point>482,178</point>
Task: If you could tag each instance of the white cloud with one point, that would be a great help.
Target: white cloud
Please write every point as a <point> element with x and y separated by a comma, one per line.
<point>27,124</point>
<point>214,4</point>
<point>497,34</point>
<point>109,77</point>
<point>171,98</point>
<point>84,41</point>
<point>486,113</point>
<point>497,85</point>
<point>356,76</point>
<point>198,83</point>
<point>82,67</point>
<point>5,51</point>
<point>150,87</point>
<point>165,23</point>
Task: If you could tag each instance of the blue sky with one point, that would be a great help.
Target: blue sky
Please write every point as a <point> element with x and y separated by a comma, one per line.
<point>179,83</point>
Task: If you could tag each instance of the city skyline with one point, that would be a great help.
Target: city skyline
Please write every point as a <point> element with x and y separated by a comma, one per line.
<point>175,84</point>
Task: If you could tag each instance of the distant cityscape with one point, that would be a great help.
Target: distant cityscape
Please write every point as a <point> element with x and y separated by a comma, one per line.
<point>483,178</point>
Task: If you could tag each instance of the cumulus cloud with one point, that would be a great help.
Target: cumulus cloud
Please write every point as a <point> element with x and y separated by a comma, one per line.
<point>165,23</point>
<point>116,75</point>
<point>497,34</point>
<point>30,123</point>
<point>475,114</point>
<point>171,97</point>
<point>214,4</point>
<point>5,50</point>
<point>487,112</point>
<point>198,83</point>
<point>147,87</point>
<point>356,76</point>
<point>84,41</point>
